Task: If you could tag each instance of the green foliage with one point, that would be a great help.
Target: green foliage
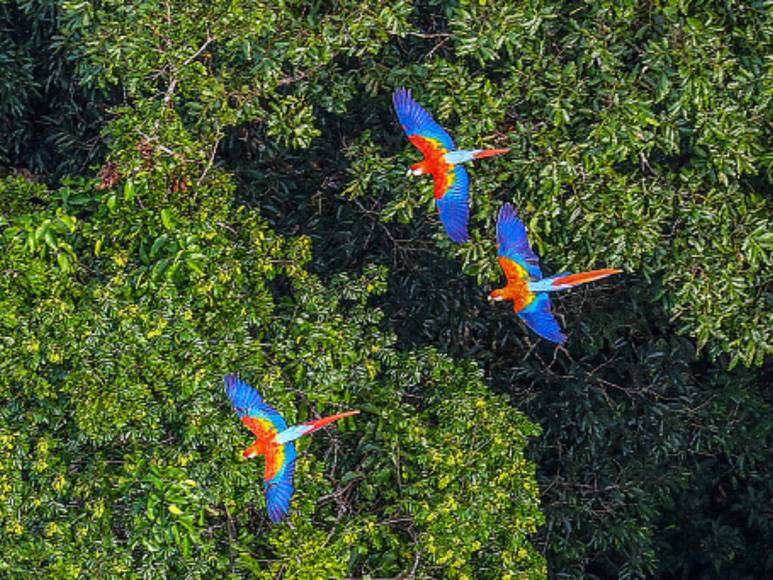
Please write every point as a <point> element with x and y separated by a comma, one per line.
<point>130,295</point>
<point>695,245</point>
<point>657,454</point>
<point>48,121</point>
<point>252,213</point>
<point>118,434</point>
<point>639,140</point>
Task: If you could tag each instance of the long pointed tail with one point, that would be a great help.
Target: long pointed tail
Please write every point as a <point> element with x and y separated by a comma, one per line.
<point>316,424</point>
<point>481,153</point>
<point>564,281</point>
<point>296,431</point>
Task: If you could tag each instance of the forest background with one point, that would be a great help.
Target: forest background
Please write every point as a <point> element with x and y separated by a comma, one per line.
<point>191,188</point>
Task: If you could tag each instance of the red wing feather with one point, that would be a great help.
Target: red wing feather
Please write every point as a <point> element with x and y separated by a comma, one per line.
<point>262,428</point>
<point>275,459</point>
<point>511,269</point>
<point>430,148</point>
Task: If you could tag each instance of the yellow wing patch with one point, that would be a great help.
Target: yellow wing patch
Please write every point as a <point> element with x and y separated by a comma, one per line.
<point>275,458</point>
<point>450,177</point>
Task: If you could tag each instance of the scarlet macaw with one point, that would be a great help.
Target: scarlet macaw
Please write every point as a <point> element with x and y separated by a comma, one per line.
<point>526,288</point>
<point>273,440</point>
<point>442,160</point>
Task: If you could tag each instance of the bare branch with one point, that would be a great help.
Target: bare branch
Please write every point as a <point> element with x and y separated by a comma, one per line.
<point>201,49</point>
<point>212,153</point>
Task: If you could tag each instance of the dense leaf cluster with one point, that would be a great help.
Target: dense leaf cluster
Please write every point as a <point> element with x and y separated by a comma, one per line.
<point>125,297</point>
<point>629,385</point>
<point>639,137</point>
<point>251,212</point>
<point>122,309</point>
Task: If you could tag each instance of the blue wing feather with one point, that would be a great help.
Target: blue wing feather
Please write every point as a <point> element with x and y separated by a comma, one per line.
<point>416,121</point>
<point>453,206</point>
<point>513,243</point>
<point>540,319</point>
<point>246,401</point>
<point>279,489</point>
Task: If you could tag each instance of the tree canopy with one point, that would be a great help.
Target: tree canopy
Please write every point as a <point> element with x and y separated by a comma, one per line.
<point>192,188</point>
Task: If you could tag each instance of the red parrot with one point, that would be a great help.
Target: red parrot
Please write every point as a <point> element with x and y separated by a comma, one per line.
<point>526,288</point>
<point>273,440</point>
<point>442,160</point>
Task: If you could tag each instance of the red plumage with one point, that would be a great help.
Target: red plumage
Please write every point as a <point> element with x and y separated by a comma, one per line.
<point>583,277</point>
<point>317,423</point>
<point>490,153</point>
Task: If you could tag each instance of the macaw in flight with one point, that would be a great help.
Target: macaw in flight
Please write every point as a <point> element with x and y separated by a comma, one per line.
<point>273,440</point>
<point>442,160</point>
<point>526,288</point>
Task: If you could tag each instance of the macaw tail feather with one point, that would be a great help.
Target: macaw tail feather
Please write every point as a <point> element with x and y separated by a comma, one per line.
<point>569,280</point>
<point>297,431</point>
<point>316,424</point>
<point>489,153</point>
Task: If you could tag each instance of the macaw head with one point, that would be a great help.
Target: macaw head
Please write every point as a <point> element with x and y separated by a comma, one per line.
<point>416,169</point>
<point>497,295</point>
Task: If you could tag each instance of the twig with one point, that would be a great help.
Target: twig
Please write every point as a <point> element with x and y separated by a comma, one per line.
<point>201,49</point>
<point>170,91</point>
<point>298,76</point>
<point>437,46</point>
<point>416,561</point>
<point>430,35</point>
<point>210,162</point>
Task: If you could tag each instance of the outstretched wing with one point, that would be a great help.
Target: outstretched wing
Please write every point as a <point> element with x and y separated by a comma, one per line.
<point>540,319</point>
<point>259,417</point>
<point>278,480</point>
<point>512,242</point>
<point>419,126</point>
<point>453,205</point>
